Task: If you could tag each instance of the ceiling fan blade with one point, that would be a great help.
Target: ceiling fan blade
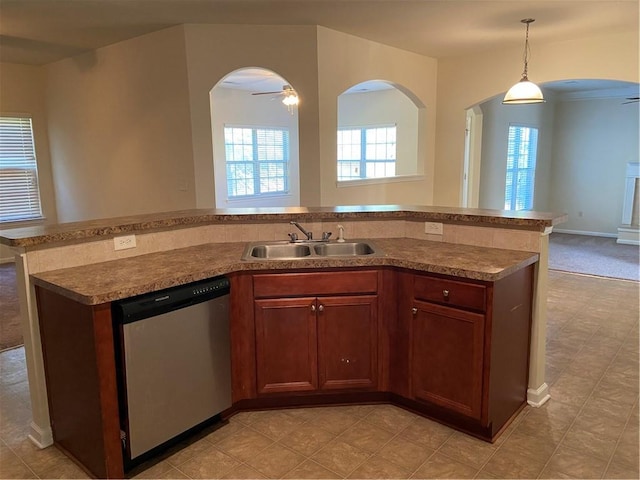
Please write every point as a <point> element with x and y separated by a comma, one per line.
<point>267,93</point>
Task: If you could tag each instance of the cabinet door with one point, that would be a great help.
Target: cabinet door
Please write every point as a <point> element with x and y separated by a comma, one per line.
<point>447,357</point>
<point>286,345</point>
<point>347,342</point>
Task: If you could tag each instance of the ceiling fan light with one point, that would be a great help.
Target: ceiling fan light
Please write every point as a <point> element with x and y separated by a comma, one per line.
<point>523,92</point>
<point>290,99</point>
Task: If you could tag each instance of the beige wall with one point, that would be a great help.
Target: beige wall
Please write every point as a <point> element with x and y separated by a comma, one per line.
<point>594,142</point>
<point>213,51</point>
<point>22,92</point>
<point>130,126</point>
<point>344,61</point>
<point>466,81</point>
<point>119,128</point>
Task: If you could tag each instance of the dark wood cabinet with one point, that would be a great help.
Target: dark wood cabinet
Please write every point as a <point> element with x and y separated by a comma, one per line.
<point>469,347</point>
<point>324,343</point>
<point>447,357</point>
<point>286,345</point>
<point>347,342</point>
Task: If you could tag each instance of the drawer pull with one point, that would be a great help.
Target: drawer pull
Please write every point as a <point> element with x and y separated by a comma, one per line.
<point>345,360</point>
<point>414,310</point>
<point>321,308</point>
<point>445,293</point>
<point>313,307</point>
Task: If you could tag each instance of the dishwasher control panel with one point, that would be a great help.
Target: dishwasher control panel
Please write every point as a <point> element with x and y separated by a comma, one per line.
<point>211,286</point>
<point>134,308</point>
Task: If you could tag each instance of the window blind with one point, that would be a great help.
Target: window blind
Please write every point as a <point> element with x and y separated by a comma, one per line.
<point>366,152</point>
<point>257,161</point>
<point>522,145</point>
<point>19,193</point>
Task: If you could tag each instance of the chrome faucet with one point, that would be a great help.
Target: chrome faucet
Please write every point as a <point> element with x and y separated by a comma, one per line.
<point>309,235</point>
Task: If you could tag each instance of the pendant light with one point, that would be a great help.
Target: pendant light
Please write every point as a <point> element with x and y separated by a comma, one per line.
<point>524,91</point>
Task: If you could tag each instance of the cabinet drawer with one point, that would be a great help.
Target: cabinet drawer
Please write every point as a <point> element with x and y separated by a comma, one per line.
<point>321,283</point>
<point>450,292</point>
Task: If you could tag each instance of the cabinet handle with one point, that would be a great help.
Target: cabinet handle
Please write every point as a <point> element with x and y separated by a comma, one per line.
<point>445,293</point>
<point>414,310</point>
<point>321,308</point>
<point>313,307</point>
<point>345,360</point>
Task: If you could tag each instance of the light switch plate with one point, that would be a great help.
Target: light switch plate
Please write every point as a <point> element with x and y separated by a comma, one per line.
<point>433,228</point>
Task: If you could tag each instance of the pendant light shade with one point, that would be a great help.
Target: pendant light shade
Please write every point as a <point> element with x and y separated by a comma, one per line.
<point>524,91</point>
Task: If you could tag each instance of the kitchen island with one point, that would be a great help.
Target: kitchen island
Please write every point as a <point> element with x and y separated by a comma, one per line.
<point>62,259</point>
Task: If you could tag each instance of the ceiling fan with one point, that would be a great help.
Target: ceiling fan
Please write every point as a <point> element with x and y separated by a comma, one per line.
<point>290,97</point>
<point>631,100</point>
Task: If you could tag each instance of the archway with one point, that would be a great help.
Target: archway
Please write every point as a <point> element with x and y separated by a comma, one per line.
<point>255,140</point>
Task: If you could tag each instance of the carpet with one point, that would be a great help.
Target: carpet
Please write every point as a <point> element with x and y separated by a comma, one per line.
<point>600,256</point>
<point>10,327</point>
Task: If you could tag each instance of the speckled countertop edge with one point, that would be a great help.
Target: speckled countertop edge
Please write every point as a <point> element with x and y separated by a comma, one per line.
<point>94,229</point>
<point>118,279</point>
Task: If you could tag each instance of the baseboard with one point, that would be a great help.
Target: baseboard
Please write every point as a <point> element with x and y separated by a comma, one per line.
<point>582,232</point>
<point>539,396</point>
<point>628,236</point>
<point>40,437</point>
<point>7,260</point>
<point>628,242</point>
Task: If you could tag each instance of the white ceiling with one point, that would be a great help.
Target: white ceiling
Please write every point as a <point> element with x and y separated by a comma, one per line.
<point>42,31</point>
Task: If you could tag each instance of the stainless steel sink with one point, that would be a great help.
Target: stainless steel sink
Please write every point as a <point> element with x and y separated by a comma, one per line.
<point>343,249</point>
<point>284,250</point>
<point>279,251</point>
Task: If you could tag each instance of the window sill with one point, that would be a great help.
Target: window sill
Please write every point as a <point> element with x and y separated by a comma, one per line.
<point>258,197</point>
<point>22,223</point>
<point>376,181</point>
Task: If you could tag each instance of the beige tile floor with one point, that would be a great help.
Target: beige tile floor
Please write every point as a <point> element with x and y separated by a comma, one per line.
<point>588,430</point>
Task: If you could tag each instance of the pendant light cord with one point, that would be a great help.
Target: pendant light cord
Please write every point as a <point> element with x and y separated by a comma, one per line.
<point>527,51</point>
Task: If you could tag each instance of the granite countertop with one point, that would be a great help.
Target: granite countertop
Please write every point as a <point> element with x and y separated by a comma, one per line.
<point>118,279</point>
<point>94,229</point>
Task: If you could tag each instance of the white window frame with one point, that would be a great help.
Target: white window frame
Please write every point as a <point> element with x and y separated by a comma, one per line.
<point>363,158</point>
<point>19,187</point>
<point>260,156</point>
<point>521,167</point>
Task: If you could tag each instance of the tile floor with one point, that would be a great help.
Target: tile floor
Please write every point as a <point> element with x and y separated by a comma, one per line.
<point>588,430</point>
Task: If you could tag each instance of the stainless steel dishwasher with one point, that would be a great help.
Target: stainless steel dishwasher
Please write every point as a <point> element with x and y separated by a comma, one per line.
<point>174,358</point>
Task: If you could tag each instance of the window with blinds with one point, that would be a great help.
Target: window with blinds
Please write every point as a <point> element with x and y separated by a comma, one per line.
<point>257,161</point>
<point>522,147</point>
<point>19,193</point>
<point>366,152</point>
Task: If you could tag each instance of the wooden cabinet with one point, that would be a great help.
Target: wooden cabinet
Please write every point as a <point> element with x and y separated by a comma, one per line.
<point>447,357</point>
<point>347,342</point>
<point>327,342</point>
<point>286,345</point>
<point>469,347</point>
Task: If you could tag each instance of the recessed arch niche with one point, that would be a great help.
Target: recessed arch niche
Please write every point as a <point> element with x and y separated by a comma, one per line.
<point>251,98</point>
<point>375,103</point>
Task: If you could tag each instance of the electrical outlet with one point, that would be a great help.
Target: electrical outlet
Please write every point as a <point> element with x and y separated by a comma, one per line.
<point>433,228</point>
<point>124,242</point>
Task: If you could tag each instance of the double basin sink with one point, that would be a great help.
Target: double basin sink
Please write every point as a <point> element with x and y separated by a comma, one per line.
<point>298,250</point>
